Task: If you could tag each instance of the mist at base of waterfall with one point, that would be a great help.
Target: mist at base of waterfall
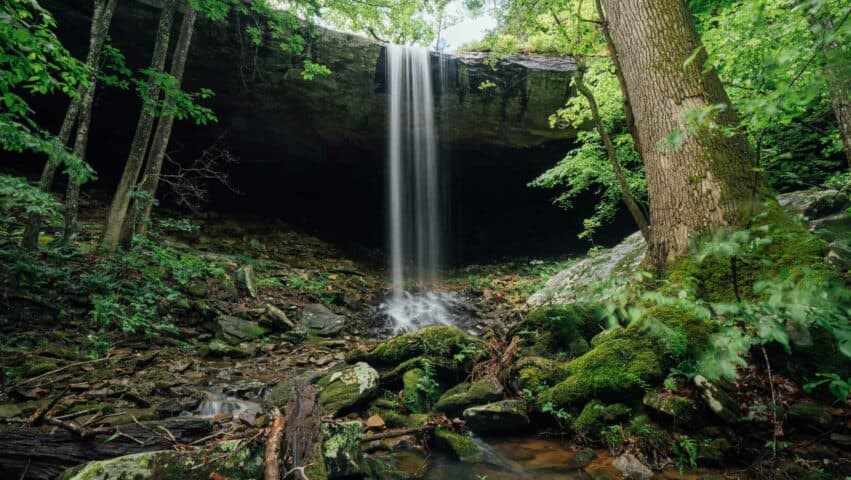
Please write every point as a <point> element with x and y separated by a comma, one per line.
<point>412,311</point>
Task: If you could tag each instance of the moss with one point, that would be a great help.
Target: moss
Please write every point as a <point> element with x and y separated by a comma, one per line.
<point>536,373</point>
<point>436,341</point>
<point>454,401</point>
<point>590,420</point>
<point>347,388</point>
<point>392,418</point>
<point>563,329</point>
<point>416,420</point>
<point>678,408</point>
<point>461,447</point>
<point>502,416</point>
<point>413,397</point>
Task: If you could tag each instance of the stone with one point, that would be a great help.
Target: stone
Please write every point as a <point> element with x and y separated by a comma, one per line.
<point>717,400</point>
<point>454,402</point>
<point>245,281</point>
<point>814,203</point>
<point>632,468</point>
<point>810,416</point>
<point>502,416</point>
<point>275,318</point>
<point>375,422</point>
<point>218,348</point>
<point>322,321</point>
<point>713,451</point>
<point>459,446</point>
<point>582,459</point>
<point>672,406</point>
<point>341,450</point>
<point>413,397</point>
<point>839,255</point>
<point>345,388</point>
<point>234,330</point>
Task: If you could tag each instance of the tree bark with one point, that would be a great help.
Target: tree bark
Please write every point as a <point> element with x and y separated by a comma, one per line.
<point>84,120</point>
<point>138,214</point>
<point>97,37</point>
<point>708,181</point>
<point>121,200</point>
<point>837,70</point>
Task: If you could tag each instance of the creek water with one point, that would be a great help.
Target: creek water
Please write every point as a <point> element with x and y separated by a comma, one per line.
<point>415,200</point>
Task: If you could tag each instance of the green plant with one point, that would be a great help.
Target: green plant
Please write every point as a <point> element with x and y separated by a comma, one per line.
<point>838,387</point>
<point>685,453</point>
<point>427,384</point>
<point>561,415</point>
<point>100,345</point>
<point>269,282</point>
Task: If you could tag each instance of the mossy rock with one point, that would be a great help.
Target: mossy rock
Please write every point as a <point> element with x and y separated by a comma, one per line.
<point>219,348</point>
<point>232,458</point>
<point>679,409</point>
<point>346,388</point>
<point>537,373</point>
<point>595,416</point>
<point>717,400</point>
<point>562,330</point>
<point>437,341</point>
<point>461,447</point>
<point>341,450</point>
<point>810,416</point>
<point>502,416</point>
<point>235,330</point>
<point>465,395</point>
<point>413,397</point>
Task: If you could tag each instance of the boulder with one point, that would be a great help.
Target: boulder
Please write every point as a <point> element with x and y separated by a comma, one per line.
<point>502,416</point>
<point>345,388</point>
<point>671,406</point>
<point>814,203</point>
<point>839,255</point>
<point>717,400</point>
<point>415,399</point>
<point>465,395</point>
<point>459,446</point>
<point>235,330</point>
<point>218,348</point>
<point>245,281</point>
<point>318,319</point>
<point>275,318</point>
<point>341,450</point>
<point>632,468</point>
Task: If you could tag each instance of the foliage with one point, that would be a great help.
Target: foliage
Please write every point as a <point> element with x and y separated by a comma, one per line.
<point>19,200</point>
<point>427,384</point>
<point>685,452</point>
<point>838,387</point>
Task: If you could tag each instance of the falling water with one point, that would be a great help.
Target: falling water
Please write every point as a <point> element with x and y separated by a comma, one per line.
<point>415,200</point>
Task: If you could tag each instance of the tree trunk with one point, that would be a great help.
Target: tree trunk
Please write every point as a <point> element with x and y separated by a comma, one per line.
<point>121,200</point>
<point>84,120</point>
<point>837,71</point>
<point>138,213</point>
<point>97,37</point>
<point>708,180</point>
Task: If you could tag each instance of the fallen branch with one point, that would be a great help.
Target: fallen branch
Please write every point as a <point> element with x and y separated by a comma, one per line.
<point>397,433</point>
<point>272,456</point>
<point>70,365</point>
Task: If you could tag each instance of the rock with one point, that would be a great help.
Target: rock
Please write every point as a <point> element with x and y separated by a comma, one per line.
<point>169,408</point>
<point>348,387</point>
<point>713,451</point>
<point>341,450</point>
<point>374,422</point>
<point>245,281</point>
<point>440,342</point>
<point>810,415</point>
<point>595,415</point>
<point>632,468</point>
<point>814,203</point>
<point>249,413</point>
<point>413,397</point>
<point>461,447</point>
<point>506,415</point>
<point>841,439</point>
<point>454,402</point>
<point>275,318</point>
<point>218,348</point>
<point>839,255</point>
<point>582,459</point>
<point>321,321</point>
<point>229,459</point>
<point>567,286</point>
<point>718,401</point>
<point>234,330</point>
<point>672,406</point>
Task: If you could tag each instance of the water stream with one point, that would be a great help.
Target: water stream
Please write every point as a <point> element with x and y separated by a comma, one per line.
<point>415,199</point>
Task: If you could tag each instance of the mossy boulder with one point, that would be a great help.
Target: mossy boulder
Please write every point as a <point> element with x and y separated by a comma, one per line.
<point>502,416</point>
<point>563,330</point>
<point>671,406</point>
<point>437,341</point>
<point>466,395</point>
<point>232,458</point>
<point>537,373</point>
<point>717,400</point>
<point>461,447</point>
<point>595,415</point>
<point>346,388</point>
<point>414,396</point>
<point>219,348</point>
<point>233,330</point>
<point>341,450</point>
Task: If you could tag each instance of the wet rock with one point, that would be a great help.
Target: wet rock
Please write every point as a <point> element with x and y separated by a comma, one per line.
<point>250,413</point>
<point>465,395</point>
<point>341,450</point>
<point>718,401</point>
<point>348,387</point>
<point>322,321</point>
<point>582,458</point>
<point>275,318</point>
<point>234,330</point>
<point>218,348</point>
<point>632,468</point>
<point>810,415</point>
<point>245,281</point>
<point>169,408</point>
<point>461,447</point>
<point>506,415</point>
<point>675,407</point>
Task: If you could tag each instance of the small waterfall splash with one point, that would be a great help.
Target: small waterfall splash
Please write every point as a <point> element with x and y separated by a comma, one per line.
<point>415,195</point>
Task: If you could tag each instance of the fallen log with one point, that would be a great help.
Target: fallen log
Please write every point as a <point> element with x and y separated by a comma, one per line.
<point>45,452</point>
<point>272,454</point>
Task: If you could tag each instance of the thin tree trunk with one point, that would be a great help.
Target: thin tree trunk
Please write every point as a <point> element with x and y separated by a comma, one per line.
<point>138,214</point>
<point>72,193</point>
<point>121,200</point>
<point>837,71</point>
<point>707,181</point>
<point>626,193</point>
<point>97,37</point>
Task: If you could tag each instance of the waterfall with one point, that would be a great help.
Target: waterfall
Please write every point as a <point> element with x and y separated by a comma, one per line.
<point>414,191</point>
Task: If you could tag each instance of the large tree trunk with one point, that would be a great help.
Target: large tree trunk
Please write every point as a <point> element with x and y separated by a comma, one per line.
<point>101,19</point>
<point>84,120</point>
<point>139,213</point>
<point>707,181</point>
<point>121,200</point>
